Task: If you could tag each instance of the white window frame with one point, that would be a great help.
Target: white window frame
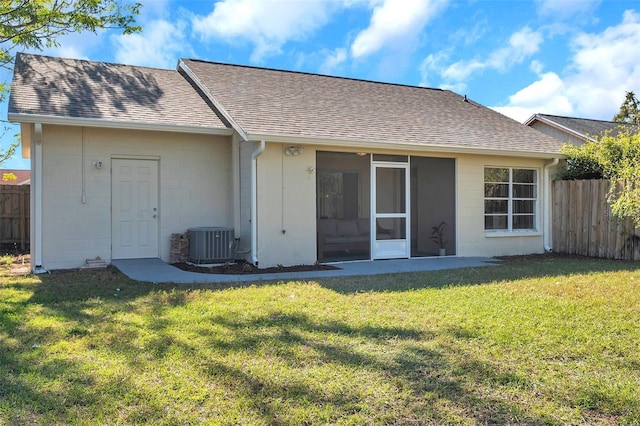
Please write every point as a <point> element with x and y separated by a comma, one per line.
<point>510,199</point>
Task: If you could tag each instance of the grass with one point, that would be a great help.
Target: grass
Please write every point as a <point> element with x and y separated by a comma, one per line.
<point>541,340</point>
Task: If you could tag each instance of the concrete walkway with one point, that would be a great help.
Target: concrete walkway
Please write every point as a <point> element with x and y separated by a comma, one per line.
<point>157,271</point>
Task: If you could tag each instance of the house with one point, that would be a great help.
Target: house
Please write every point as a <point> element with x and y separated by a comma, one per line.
<point>571,129</point>
<point>303,167</point>
<point>15,177</point>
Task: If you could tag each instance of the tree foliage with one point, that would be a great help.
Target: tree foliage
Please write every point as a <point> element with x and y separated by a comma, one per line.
<point>36,24</point>
<point>629,110</point>
<point>611,157</point>
<point>581,162</point>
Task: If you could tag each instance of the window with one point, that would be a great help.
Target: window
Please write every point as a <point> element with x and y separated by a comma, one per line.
<point>510,199</point>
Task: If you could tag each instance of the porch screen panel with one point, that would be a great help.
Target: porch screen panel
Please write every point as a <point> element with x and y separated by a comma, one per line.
<point>343,206</point>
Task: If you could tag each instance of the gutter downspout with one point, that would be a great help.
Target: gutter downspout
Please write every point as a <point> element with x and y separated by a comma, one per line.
<point>36,201</point>
<point>547,239</point>
<point>254,202</point>
<point>235,171</point>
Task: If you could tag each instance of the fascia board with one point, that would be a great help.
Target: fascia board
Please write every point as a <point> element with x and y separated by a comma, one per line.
<point>116,124</point>
<point>559,127</point>
<point>360,145</point>
<point>216,103</point>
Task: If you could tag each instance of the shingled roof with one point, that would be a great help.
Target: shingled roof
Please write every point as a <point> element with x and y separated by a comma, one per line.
<point>85,90</point>
<point>263,103</point>
<point>267,102</point>
<point>584,128</point>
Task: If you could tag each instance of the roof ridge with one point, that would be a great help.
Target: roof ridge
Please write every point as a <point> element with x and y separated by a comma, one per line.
<point>581,118</point>
<point>314,74</point>
<point>91,61</point>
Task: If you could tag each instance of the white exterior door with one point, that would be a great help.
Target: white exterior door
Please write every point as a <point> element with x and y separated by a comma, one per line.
<point>134,209</point>
<point>390,210</point>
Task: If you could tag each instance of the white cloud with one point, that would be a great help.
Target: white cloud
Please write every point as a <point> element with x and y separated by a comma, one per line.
<point>77,45</point>
<point>266,24</point>
<point>460,71</point>
<point>155,8</point>
<point>602,69</point>
<point>565,9</point>
<point>521,45</point>
<point>160,45</point>
<point>547,95</point>
<point>536,67</point>
<point>394,23</point>
<point>333,60</point>
<point>67,51</point>
<point>540,91</point>
<point>432,64</point>
<point>457,87</point>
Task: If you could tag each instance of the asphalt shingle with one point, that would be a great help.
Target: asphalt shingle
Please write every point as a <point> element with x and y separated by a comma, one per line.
<point>273,102</point>
<point>586,127</point>
<point>70,88</point>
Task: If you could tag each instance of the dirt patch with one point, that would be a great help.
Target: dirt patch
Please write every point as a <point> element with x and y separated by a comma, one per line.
<point>245,268</point>
<point>21,265</point>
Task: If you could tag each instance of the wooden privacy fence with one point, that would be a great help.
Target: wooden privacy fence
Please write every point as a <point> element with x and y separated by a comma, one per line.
<point>583,223</point>
<point>14,215</point>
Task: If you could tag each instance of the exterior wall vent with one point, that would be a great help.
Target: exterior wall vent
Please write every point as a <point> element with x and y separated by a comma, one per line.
<point>211,245</point>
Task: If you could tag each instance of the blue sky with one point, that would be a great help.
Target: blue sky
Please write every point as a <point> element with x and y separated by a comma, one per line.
<point>564,57</point>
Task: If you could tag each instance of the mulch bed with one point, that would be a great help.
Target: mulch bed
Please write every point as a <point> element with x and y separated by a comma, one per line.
<point>245,268</point>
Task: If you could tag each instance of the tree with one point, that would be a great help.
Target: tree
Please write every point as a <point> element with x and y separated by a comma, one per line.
<point>35,24</point>
<point>629,110</point>
<point>616,158</point>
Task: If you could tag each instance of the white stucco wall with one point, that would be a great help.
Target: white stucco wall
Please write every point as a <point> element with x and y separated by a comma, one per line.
<point>472,239</point>
<point>286,202</point>
<point>194,189</point>
<point>244,235</point>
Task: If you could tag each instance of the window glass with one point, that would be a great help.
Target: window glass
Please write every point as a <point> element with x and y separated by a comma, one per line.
<point>495,222</point>
<point>523,206</point>
<point>524,176</point>
<point>497,190</point>
<point>496,175</point>
<point>523,222</point>
<point>524,190</point>
<point>496,206</point>
<point>510,198</point>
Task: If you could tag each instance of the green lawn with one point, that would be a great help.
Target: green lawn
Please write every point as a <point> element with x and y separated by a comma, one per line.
<point>540,340</point>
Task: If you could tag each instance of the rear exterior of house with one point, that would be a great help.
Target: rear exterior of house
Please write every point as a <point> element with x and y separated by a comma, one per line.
<point>302,167</point>
<point>327,214</point>
<point>144,190</point>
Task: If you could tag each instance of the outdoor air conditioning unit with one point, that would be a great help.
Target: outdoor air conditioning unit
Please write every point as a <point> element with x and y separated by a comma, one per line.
<point>211,245</point>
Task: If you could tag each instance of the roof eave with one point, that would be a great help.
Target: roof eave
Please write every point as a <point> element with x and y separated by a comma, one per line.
<point>211,97</point>
<point>305,140</point>
<point>119,124</point>
<point>552,123</point>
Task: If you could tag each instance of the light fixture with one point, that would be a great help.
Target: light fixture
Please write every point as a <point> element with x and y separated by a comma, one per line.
<point>361,154</point>
<point>311,169</point>
<point>294,150</point>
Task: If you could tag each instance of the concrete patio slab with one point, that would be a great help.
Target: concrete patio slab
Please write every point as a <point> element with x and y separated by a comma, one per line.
<point>158,271</point>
